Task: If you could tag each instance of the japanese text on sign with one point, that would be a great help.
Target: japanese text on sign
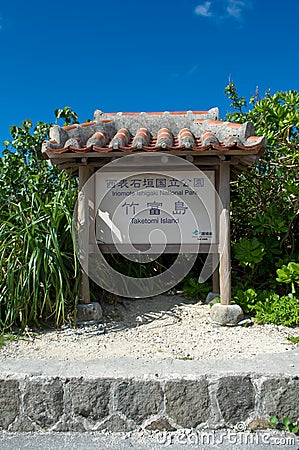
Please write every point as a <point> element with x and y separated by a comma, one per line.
<point>180,204</point>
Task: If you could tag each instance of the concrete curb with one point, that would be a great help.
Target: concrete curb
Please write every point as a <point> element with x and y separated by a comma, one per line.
<point>125,394</point>
<point>223,439</point>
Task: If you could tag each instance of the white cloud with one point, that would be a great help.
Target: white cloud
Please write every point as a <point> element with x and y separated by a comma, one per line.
<point>220,10</point>
<point>193,69</point>
<point>235,8</point>
<point>204,9</point>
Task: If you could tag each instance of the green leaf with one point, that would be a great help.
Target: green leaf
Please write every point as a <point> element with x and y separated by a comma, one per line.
<point>287,421</point>
<point>274,421</point>
<point>249,252</point>
<point>293,339</point>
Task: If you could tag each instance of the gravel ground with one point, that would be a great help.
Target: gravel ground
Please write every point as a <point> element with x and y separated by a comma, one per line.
<point>160,327</point>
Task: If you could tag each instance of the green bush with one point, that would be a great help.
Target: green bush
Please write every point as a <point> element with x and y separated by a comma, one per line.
<point>278,310</point>
<point>38,268</point>
<point>289,274</point>
<point>39,279</point>
<point>192,288</point>
<point>269,306</point>
<point>264,210</point>
<point>246,299</point>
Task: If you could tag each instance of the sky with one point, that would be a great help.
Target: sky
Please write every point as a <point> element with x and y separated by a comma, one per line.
<point>122,55</point>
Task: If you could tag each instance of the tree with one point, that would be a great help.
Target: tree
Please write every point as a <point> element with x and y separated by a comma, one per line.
<point>265,202</point>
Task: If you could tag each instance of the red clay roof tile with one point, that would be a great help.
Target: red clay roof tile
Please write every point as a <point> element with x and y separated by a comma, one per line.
<point>197,131</point>
<point>121,139</point>
<point>164,138</point>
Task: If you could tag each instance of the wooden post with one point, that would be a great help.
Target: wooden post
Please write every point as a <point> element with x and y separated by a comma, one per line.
<point>224,234</point>
<point>215,256</point>
<point>215,276</point>
<point>84,225</point>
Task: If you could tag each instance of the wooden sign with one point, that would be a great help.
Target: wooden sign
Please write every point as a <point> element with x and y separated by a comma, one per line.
<point>156,208</point>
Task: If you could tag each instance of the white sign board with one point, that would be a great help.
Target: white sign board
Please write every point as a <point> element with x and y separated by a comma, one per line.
<point>176,207</point>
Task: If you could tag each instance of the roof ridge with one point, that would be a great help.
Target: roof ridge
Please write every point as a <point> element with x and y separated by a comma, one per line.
<point>194,131</point>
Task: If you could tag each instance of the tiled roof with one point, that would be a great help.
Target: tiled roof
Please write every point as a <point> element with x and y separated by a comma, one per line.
<point>196,131</point>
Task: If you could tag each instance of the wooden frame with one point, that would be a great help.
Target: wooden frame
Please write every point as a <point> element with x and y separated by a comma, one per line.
<point>221,252</point>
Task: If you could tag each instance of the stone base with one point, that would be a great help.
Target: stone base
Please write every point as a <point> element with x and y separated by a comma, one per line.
<point>226,314</point>
<point>89,311</point>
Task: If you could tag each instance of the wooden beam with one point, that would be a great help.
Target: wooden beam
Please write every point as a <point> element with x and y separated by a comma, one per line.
<point>119,153</point>
<point>84,233</point>
<point>224,234</point>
